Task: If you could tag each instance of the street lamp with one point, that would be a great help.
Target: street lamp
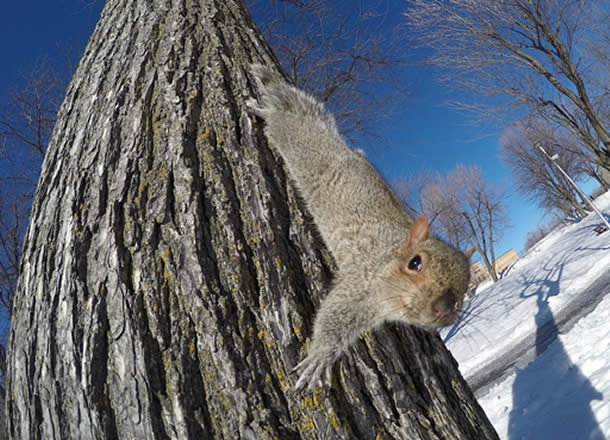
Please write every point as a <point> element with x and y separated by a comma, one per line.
<point>553,159</point>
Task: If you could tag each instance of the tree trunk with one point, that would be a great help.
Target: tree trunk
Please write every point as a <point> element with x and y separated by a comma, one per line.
<point>490,266</point>
<point>170,275</point>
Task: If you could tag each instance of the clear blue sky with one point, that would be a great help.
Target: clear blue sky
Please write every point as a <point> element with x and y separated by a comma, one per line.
<point>425,134</point>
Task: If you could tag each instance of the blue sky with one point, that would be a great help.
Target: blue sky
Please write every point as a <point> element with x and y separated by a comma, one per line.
<point>33,29</point>
<point>426,133</point>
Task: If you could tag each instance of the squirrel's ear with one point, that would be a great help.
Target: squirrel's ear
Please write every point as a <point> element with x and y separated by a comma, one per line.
<point>469,252</point>
<point>419,230</point>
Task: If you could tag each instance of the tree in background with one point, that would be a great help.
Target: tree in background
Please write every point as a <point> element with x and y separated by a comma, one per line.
<point>410,191</point>
<point>29,118</point>
<point>534,174</point>
<point>555,220</point>
<point>471,211</point>
<point>170,273</point>
<point>545,55</point>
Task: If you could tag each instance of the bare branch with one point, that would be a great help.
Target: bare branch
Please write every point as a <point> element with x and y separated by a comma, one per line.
<point>534,175</point>
<point>338,56</point>
<point>470,211</point>
<point>522,53</point>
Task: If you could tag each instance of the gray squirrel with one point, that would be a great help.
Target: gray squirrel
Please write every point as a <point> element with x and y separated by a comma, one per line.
<point>389,268</point>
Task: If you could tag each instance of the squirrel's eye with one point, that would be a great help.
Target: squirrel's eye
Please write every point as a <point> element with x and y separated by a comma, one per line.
<point>415,264</point>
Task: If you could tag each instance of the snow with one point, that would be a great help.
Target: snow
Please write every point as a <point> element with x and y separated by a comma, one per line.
<point>564,391</point>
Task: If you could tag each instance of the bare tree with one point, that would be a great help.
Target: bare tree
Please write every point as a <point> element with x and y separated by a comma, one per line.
<point>542,230</point>
<point>531,51</point>
<point>27,122</point>
<point>534,175</point>
<point>410,190</point>
<point>13,222</point>
<point>170,273</point>
<point>598,45</point>
<point>445,206</point>
<point>338,53</point>
<point>471,211</point>
<point>425,193</point>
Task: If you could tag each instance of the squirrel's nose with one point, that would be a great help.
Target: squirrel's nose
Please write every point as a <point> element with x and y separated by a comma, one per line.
<point>444,304</point>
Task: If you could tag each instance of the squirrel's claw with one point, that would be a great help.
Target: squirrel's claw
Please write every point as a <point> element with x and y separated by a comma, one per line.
<point>313,370</point>
<point>306,371</point>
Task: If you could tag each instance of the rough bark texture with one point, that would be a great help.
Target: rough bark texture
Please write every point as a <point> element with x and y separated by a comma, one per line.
<point>169,274</point>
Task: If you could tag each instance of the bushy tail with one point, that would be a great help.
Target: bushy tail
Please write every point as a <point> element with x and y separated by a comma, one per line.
<point>278,96</point>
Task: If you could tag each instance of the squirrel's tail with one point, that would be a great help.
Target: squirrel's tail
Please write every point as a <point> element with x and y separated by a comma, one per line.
<point>278,96</point>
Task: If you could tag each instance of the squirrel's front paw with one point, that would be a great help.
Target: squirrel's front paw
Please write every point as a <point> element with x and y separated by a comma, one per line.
<point>314,370</point>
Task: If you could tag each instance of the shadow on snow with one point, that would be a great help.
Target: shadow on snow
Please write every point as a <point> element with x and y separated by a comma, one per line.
<point>551,397</point>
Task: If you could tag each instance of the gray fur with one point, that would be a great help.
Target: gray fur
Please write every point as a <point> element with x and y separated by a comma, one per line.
<point>365,227</point>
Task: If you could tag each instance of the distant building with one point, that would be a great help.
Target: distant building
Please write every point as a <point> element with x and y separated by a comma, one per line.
<point>506,259</point>
<point>478,272</point>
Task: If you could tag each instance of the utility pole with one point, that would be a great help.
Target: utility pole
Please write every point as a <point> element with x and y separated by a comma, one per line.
<point>553,159</point>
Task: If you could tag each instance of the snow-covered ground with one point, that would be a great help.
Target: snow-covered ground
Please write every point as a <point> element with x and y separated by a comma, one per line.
<point>564,393</point>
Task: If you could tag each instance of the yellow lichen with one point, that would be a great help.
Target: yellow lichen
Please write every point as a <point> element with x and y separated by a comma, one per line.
<point>308,425</point>
<point>312,401</point>
<point>332,419</point>
<point>282,379</point>
<point>204,136</point>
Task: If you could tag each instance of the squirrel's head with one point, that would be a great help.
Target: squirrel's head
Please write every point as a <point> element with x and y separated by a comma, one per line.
<point>429,279</point>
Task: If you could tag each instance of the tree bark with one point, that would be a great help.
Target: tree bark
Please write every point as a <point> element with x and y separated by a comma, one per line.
<point>170,274</point>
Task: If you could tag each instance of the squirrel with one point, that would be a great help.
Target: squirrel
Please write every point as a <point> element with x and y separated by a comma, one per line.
<point>389,267</point>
